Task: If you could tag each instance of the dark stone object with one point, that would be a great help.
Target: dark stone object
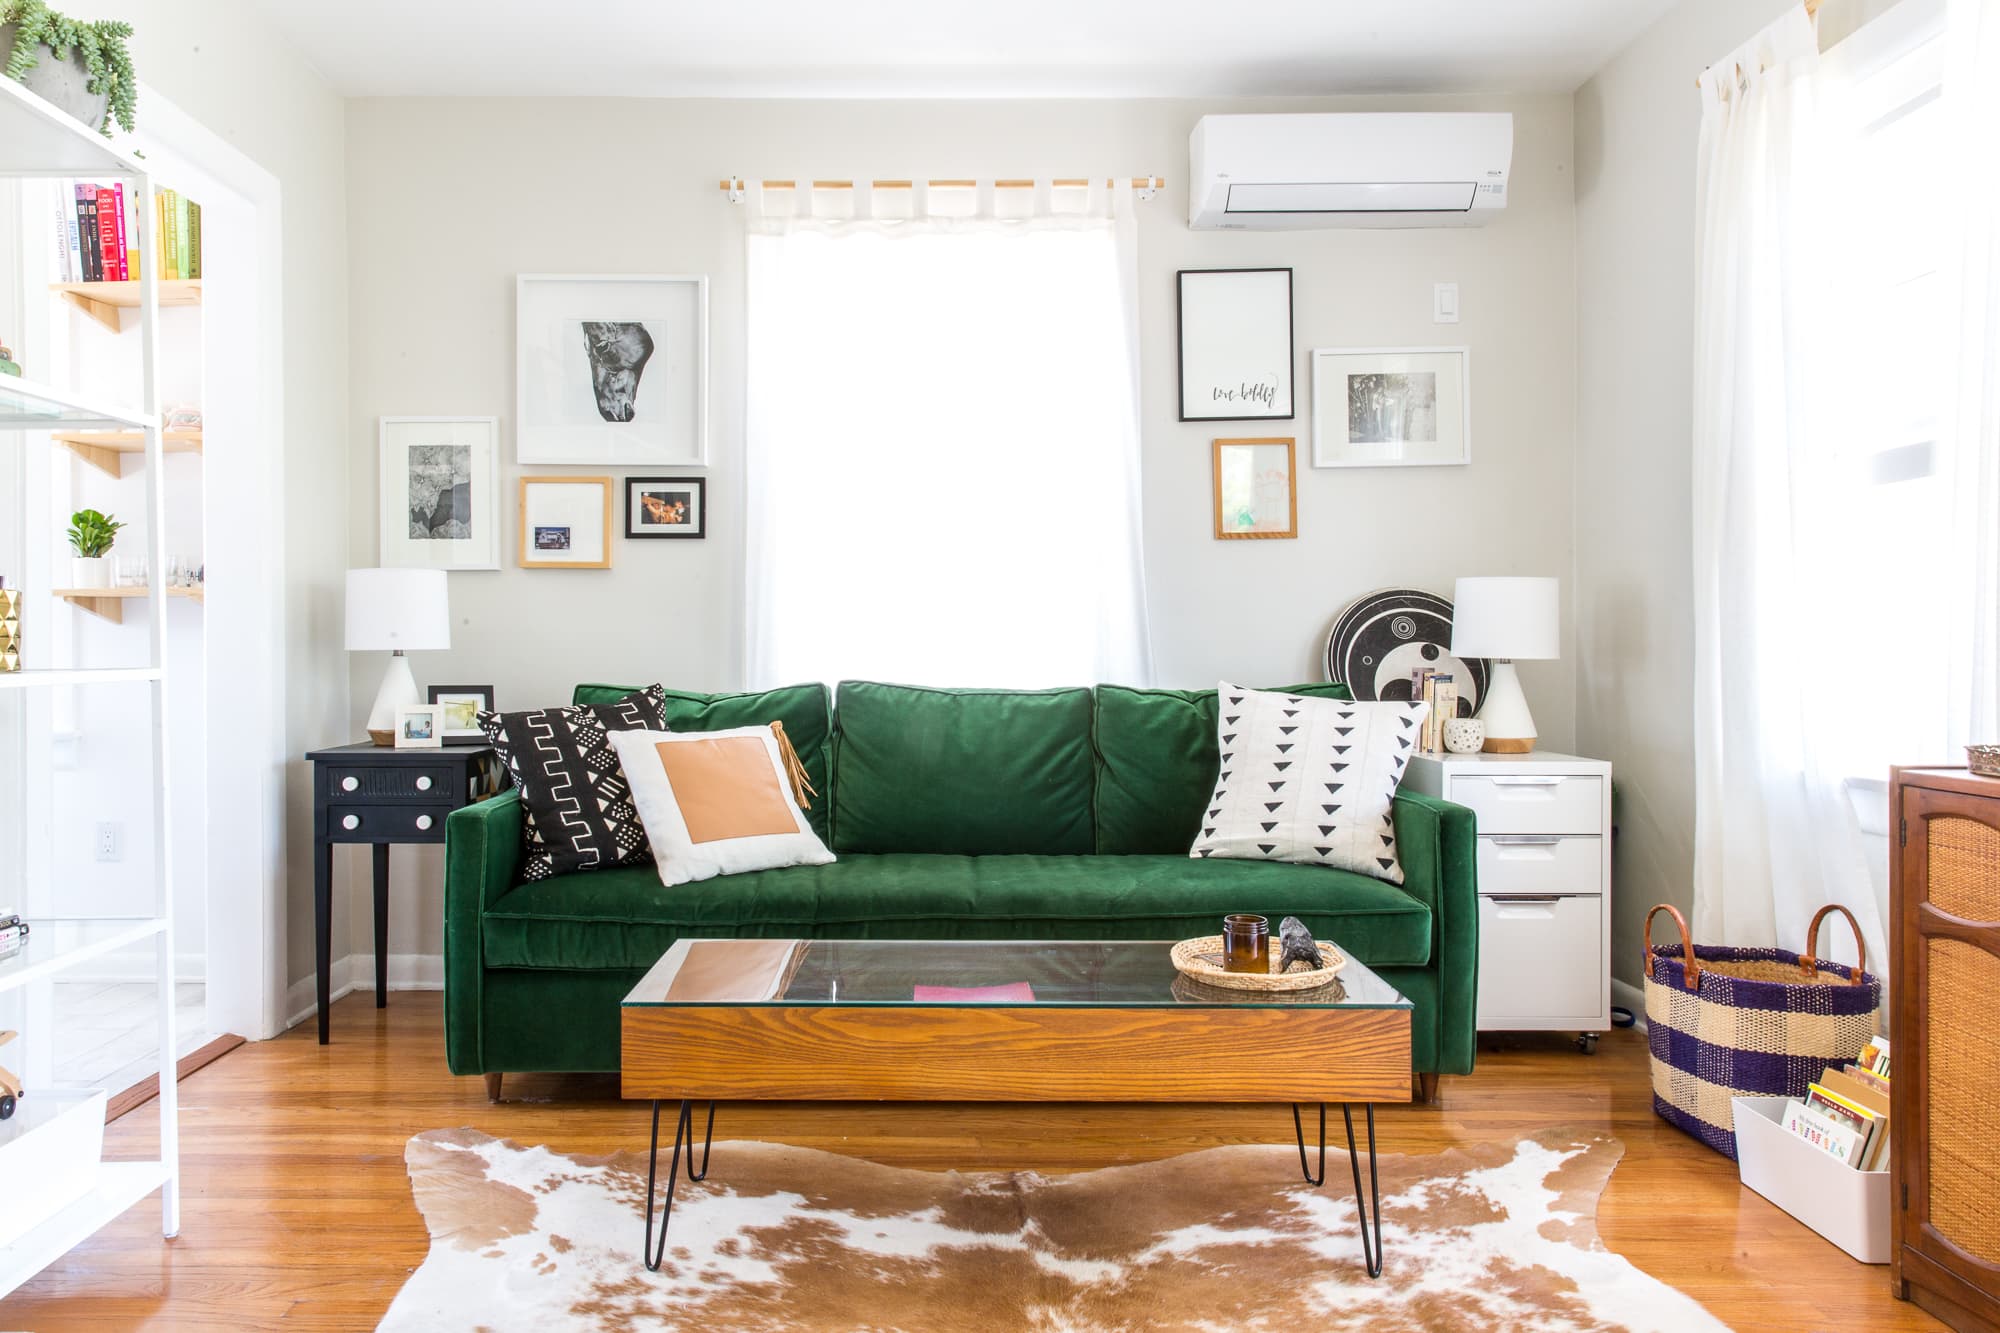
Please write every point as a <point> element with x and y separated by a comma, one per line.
<point>1296,945</point>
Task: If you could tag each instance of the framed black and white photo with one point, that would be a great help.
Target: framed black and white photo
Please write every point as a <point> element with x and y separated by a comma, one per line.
<point>439,492</point>
<point>611,370</point>
<point>1235,344</point>
<point>666,507</point>
<point>459,707</point>
<point>1391,406</point>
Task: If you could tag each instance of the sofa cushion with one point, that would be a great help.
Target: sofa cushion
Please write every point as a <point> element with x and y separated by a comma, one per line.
<point>621,919</point>
<point>1156,763</point>
<point>579,812</point>
<point>804,709</point>
<point>972,772</point>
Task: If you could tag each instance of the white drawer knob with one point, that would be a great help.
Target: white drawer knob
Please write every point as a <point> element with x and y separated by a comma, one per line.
<point>351,822</point>
<point>350,783</point>
<point>423,821</point>
<point>423,784</point>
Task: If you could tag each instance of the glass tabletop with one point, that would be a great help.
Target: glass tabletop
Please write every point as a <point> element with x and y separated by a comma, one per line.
<point>1119,974</point>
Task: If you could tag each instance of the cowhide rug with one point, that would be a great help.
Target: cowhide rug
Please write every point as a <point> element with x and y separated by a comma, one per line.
<point>1498,1236</point>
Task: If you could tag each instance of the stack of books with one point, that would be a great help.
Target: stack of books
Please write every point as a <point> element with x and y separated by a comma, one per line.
<point>13,934</point>
<point>1846,1113</point>
<point>96,233</point>
<point>1437,689</point>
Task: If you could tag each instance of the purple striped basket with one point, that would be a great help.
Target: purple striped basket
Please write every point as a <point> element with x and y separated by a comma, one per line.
<point>1726,1023</point>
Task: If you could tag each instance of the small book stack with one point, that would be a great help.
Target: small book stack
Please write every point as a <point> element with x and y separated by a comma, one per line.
<point>13,934</point>
<point>96,233</point>
<point>1846,1113</point>
<point>1439,691</point>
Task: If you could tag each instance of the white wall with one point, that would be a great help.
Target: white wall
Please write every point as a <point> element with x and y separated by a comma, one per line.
<point>449,199</point>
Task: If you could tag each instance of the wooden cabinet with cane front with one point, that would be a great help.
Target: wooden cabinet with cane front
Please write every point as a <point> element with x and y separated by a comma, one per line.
<point>1945,979</point>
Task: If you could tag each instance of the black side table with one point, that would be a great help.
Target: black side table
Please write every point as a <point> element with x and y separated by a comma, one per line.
<point>379,795</point>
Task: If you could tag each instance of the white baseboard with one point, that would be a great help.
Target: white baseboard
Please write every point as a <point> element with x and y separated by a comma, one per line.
<point>1627,996</point>
<point>407,971</point>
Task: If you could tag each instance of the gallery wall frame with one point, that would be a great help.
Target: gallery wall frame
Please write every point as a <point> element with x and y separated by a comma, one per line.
<point>1391,406</point>
<point>565,522</point>
<point>666,507</point>
<point>611,369</point>
<point>439,492</point>
<point>1256,488</point>
<point>1234,345</point>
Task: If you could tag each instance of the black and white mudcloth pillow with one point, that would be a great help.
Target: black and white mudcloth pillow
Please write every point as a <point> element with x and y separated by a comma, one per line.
<point>577,805</point>
<point>1308,780</point>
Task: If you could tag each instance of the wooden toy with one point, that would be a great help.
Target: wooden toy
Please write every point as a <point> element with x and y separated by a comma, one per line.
<point>10,1086</point>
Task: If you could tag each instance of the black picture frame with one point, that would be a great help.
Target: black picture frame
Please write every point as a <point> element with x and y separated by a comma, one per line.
<point>434,694</point>
<point>637,530</point>
<point>1180,345</point>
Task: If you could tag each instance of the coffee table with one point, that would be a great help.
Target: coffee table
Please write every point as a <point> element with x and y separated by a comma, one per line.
<point>963,1020</point>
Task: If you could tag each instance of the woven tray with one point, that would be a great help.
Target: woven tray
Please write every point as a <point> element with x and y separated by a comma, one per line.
<point>1201,958</point>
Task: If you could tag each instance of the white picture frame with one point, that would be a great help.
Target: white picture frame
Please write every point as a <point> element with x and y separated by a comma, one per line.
<point>590,347</point>
<point>1235,344</point>
<point>1391,406</point>
<point>438,499</point>
<point>420,727</point>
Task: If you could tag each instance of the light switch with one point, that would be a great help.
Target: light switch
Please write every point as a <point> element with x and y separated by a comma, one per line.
<point>1444,303</point>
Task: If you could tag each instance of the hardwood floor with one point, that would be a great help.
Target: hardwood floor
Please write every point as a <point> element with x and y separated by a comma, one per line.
<point>297,1211</point>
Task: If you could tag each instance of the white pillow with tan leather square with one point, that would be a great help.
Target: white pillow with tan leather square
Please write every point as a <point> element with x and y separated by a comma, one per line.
<point>716,802</point>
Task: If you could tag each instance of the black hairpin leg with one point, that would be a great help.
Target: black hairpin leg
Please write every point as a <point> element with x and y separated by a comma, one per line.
<point>1369,1206</point>
<point>683,1142</point>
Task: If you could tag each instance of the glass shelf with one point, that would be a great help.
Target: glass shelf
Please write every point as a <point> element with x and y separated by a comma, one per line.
<point>57,943</point>
<point>29,405</point>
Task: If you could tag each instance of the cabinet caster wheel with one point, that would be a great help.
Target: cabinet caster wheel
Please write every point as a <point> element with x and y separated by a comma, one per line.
<point>1587,1042</point>
<point>6,1108</point>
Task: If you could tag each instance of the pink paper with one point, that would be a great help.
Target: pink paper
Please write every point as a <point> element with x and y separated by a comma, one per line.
<point>1015,992</point>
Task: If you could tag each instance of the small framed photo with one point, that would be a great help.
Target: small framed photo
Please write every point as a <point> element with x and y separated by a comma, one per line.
<point>419,727</point>
<point>1391,406</point>
<point>1256,489</point>
<point>1235,344</point>
<point>666,507</point>
<point>460,707</point>
<point>565,523</point>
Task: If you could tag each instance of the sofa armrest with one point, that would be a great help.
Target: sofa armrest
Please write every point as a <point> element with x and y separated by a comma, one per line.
<point>482,859</point>
<point>1438,845</point>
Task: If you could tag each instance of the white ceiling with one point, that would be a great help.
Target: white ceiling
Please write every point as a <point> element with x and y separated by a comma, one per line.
<point>957,48</point>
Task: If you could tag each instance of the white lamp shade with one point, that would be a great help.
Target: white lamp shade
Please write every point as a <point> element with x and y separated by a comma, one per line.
<point>1513,618</point>
<point>402,609</point>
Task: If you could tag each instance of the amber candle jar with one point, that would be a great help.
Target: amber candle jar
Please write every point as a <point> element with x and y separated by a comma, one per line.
<point>1246,943</point>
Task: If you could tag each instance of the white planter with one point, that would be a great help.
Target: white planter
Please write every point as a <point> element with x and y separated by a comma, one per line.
<point>1848,1207</point>
<point>49,1152</point>
<point>90,571</point>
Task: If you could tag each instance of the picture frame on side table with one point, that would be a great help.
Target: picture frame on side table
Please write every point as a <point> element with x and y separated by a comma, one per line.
<point>1391,406</point>
<point>666,507</point>
<point>611,370</point>
<point>1235,344</point>
<point>565,523</point>
<point>439,492</point>
<point>1256,488</point>
<point>419,727</point>
<point>460,707</point>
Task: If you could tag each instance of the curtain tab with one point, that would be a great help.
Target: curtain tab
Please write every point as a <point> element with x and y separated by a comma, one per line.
<point>863,203</point>
<point>983,201</point>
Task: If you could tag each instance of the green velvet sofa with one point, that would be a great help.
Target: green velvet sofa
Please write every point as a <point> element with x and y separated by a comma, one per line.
<point>955,814</point>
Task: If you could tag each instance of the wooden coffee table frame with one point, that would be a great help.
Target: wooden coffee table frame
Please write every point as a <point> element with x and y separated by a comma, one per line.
<point>689,1053</point>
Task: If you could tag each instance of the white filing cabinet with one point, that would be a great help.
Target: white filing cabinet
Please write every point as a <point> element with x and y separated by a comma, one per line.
<point>1544,864</point>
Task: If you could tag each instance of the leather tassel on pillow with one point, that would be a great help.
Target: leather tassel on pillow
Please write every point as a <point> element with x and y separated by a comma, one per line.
<point>802,787</point>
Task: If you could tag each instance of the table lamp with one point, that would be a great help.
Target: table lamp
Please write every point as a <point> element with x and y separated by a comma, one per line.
<point>400,610</point>
<point>1506,620</point>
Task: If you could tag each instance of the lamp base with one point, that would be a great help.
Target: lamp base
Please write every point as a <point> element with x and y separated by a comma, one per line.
<point>399,690</point>
<point>1510,728</point>
<point>387,737</point>
<point>1500,745</point>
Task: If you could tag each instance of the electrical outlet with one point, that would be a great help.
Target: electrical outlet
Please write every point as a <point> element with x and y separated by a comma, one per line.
<point>109,841</point>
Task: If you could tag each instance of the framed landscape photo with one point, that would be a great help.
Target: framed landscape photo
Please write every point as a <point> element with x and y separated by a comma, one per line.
<point>1391,406</point>
<point>439,492</point>
<point>611,370</point>
<point>1235,344</point>
<point>1256,489</point>
<point>418,727</point>
<point>666,507</point>
<point>565,523</point>
<point>459,707</point>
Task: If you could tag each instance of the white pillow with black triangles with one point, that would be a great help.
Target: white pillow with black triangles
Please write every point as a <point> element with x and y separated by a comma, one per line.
<point>1308,780</point>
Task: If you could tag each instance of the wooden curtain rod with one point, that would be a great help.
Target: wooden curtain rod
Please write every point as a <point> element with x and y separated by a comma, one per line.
<point>1065,183</point>
<point>1812,12</point>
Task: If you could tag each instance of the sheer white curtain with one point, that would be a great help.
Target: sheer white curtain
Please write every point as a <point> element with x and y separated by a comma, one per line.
<point>943,437</point>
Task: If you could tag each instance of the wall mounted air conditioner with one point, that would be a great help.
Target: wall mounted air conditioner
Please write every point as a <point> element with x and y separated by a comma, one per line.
<point>1370,169</point>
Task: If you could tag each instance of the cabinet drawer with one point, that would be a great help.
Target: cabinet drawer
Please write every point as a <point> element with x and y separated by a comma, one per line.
<point>386,823</point>
<point>1540,863</point>
<point>391,782</point>
<point>1541,963</point>
<point>1537,803</point>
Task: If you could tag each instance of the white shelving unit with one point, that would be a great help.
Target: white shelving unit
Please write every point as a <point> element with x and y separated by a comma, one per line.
<point>36,140</point>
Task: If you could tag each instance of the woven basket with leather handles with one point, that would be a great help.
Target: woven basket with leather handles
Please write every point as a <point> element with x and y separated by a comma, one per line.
<point>1726,1022</point>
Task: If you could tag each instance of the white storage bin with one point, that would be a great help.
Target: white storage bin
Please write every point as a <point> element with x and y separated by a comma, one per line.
<point>49,1151</point>
<point>1848,1207</point>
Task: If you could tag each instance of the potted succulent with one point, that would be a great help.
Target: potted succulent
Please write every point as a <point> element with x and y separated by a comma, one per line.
<point>82,66</point>
<point>90,536</point>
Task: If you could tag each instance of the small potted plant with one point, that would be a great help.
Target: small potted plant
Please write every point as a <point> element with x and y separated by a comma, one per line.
<point>90,536</point>
<point>81,66</point>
